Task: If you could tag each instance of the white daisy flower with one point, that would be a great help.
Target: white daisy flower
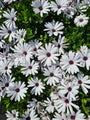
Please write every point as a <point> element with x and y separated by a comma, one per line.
<point>70,62</point>
<point>57,116</point>
<point>11,16</point>
<point>19,35</point>
<point>30,115</point>
<point>5,66</point>
<point>40,6</point>
<point>53,75</point>
<point>84,82</point>
<point>60,44</point>
<point>85,4</point>
<point>44,115</point>
<point>34,104</point>
<point>48,55</point>
<point>13,115</point>
<point>54,28</point>
<point>69,12</point>
<point>7,32</point>
<point>6,81</point>
<point>65,104</point>
<point>49,104</point>
<point>81,20</point>
<point>70,89</point>
<point>17,91</point>
<point>35,46</point>
<point>85,55</point>
<point>76,116</point>
<point>23,51</point>
<point>37,85</point>
<point>59,6</point>
<point>30,68</point>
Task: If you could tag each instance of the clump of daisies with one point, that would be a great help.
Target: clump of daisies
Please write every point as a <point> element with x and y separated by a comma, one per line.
<point>53,74</point>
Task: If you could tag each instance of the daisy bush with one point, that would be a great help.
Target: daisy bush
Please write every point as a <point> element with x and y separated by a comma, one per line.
<point>45,59</point>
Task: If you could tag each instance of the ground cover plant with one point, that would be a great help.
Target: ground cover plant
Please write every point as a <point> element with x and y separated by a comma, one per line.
<point>45,59</point>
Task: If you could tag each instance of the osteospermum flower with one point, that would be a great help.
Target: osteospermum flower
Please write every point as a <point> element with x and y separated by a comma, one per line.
<point>17,91</point>
<point>23,51</point>
<point>19,35</point>
<point>9,1</point>
<point>49,104</point>
<point>70,89</point>
<point>57,116</point>
<point>85,55</point>
<point>7,32</point>
<point>70,62</point>
<point>59,6</point>
<point>13,115</point>
<point>84,82</point>
<point>11,17</point>
<point>48,55</point>
<point>36,44</point>
<point>69,12</point>
<point>54,28</point>
<point>5,66</point>
<point>37,85</point>
<point>60,44</point>
<point>65,104</point>
<point>6,81</point>
<point>81,20</point>
<point>34,104</point>
<point>76,116</point>
<point>30,68</point>
<point>30,115</point>
<point>40,6</point>
<point>53,75</point>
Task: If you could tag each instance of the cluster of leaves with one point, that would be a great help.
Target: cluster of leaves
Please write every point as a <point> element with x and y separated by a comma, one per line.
<point>34,26</point>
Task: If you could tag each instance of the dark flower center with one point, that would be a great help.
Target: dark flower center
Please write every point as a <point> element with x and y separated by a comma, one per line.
<point>67,101</point>
<point>21,36</point>
<point>14,115</point>
<point>6,84</point>
<point>69,89</point>
<point>79,82</point>
<point>51,74</point>
<point>85,58</point>
<point>6,68</point>
<point>52,103</point>
<point>25,53</point>
<point>35,49</point>
<point>9,31</point>
<point>12,19</point>
<point>48,54</point>
<point>0,90</point>
<point>53,30</point>
<point>59,6</point>
<point>53,89</point>
<point>41,8</point>
<point>17,90</point>
<point>72,117</point>
<point>59,45</point>
<point>36,84</point>
<point>81,20</point>
<point>71,62</point>
<point>28,118</point>
<point>30,67</point>
<point>68,12</point>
